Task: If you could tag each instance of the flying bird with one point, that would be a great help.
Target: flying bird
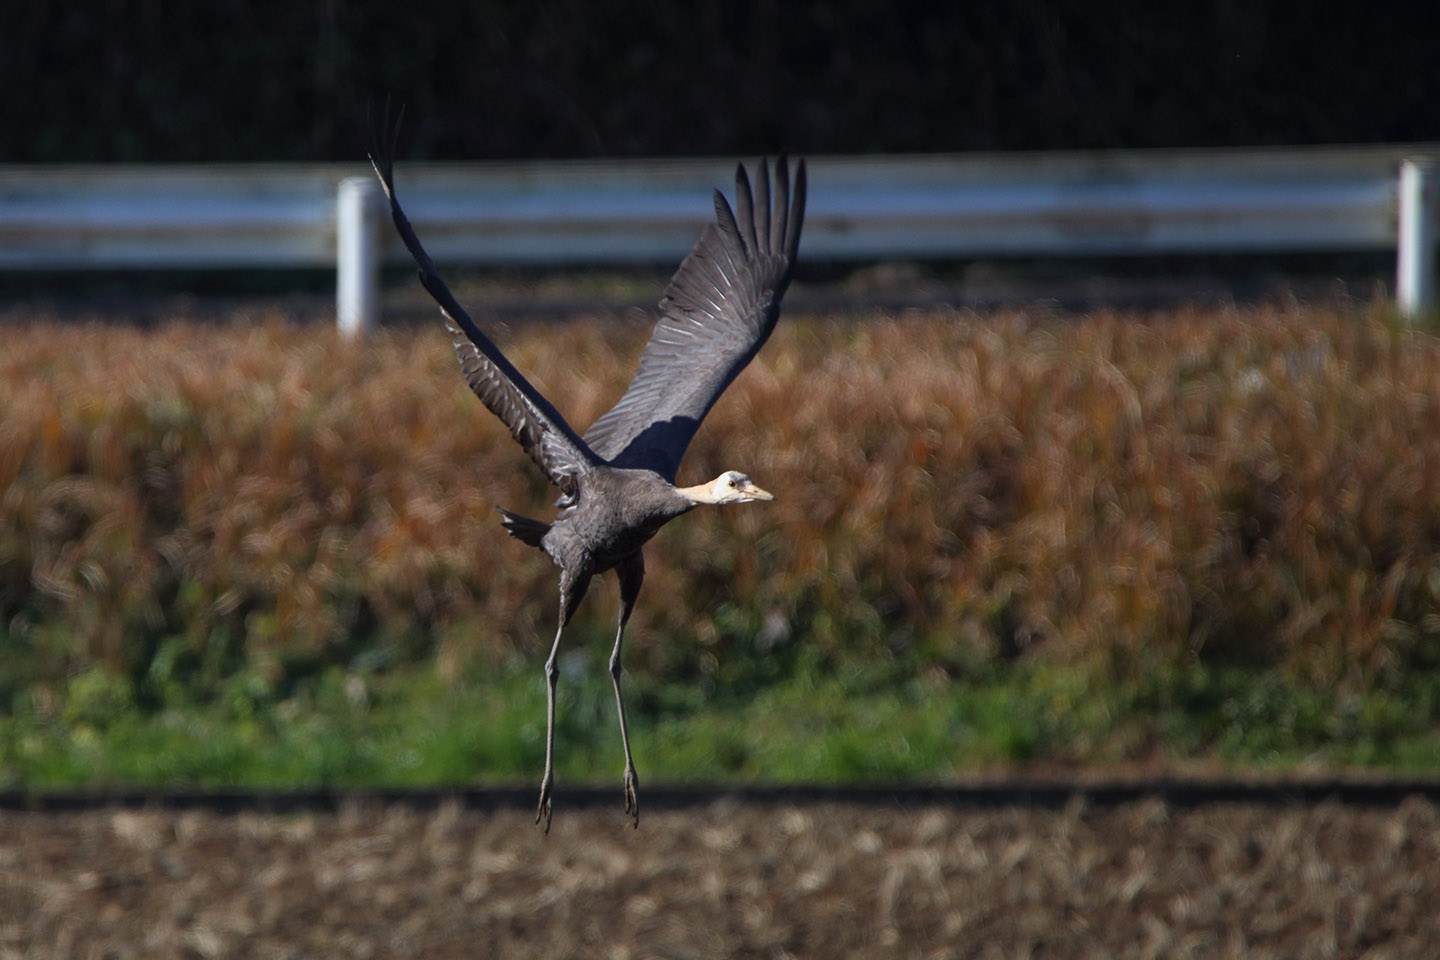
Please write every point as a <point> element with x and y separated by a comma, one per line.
<point>617,480</point>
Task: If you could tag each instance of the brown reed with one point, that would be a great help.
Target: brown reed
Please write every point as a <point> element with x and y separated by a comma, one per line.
<point>1255,485</point>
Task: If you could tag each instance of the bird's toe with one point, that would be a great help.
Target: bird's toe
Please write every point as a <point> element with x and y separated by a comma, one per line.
<point>543,810</point>
<point>632,797</point>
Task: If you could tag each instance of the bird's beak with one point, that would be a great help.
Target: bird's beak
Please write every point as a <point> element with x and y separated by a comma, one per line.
<point>755,493</point>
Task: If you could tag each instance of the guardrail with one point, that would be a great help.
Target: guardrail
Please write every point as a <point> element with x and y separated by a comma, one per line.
<point>567,213</point>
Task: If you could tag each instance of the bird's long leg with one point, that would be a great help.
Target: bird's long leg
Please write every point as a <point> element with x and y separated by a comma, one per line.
<point>572,589</point>
<point>547,782</point>
<point>631,573</point>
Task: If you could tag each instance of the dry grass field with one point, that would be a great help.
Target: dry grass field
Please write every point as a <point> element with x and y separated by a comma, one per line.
<point>728,879</point>
<point>1119,537</point>
<point>1251,484</point>
<point>227,521</point>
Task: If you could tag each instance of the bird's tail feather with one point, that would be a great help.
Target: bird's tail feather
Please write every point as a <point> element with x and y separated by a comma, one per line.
<point>523,528</point>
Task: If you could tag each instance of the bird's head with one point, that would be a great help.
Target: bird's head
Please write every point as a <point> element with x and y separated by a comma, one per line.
<point>732,486</point>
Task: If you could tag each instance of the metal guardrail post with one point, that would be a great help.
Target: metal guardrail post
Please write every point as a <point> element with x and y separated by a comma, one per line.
<point>1415,257</point>
<point>357,255</point>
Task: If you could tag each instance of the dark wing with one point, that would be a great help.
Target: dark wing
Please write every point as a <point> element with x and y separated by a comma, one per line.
<point>533,421</point>
<point>716,314</point>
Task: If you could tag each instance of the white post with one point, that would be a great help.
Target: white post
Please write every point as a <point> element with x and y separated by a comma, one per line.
<point>1415,258</point>
<point>357,255</point>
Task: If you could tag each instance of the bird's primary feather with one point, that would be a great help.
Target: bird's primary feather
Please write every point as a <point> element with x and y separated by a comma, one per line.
<point>532,420</point>
<point>718,310</point>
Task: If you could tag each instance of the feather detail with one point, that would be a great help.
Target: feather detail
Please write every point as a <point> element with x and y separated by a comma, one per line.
<point>718,310</point>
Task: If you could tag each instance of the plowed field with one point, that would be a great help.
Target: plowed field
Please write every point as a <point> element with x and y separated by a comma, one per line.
<point>726,879</point>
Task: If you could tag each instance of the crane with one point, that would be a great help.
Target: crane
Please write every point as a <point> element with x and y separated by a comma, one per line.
<point>617,480</point>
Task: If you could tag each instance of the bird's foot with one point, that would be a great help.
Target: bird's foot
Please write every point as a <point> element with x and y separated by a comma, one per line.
<point>632,800</point>
<point>542,812</point>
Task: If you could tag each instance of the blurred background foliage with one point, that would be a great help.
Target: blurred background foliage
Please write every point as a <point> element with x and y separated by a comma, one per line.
<point>235,80</point>
<point>1010,538</point>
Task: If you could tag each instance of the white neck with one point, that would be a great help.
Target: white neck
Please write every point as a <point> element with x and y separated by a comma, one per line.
<point>700,493</point>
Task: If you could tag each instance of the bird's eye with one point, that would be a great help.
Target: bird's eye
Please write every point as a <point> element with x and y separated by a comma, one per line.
<point>733,482</point>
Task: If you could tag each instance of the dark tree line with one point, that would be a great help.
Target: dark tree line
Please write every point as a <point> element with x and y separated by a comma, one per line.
<point>174,80</point>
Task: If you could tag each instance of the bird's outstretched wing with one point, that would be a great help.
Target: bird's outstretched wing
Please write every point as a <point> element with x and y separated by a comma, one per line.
<point>533,421</point>
<point>716,314</point>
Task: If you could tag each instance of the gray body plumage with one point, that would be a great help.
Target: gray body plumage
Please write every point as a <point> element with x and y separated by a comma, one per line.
<point>617,482</point>
<point>616,511</point>
<point>619,510</point>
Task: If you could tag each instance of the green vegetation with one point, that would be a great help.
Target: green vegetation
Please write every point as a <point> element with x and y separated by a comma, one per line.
<point>409,727</point>
<point>258,555</point>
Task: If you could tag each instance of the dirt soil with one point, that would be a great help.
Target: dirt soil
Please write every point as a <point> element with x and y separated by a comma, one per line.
<point>727,879</point>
